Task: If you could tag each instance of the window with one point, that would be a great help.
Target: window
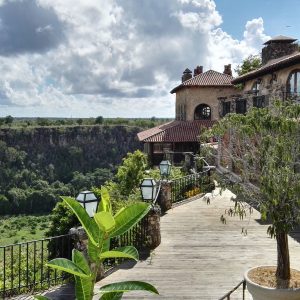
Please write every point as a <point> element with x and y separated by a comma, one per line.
<point>226,108</point>
<point>259,101</point>
<point>161,147</point>
<point>293,84</point>
<point>202,112</point>
<point>256,86</point>
<point>241,106</point>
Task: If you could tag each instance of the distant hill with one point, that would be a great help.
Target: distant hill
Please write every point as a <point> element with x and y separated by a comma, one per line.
<point>44,162</point>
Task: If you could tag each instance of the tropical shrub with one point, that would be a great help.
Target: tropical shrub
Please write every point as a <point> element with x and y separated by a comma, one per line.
<point>100,230</point>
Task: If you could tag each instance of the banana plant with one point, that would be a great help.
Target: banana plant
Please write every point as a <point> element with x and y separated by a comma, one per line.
<point>100,230</point>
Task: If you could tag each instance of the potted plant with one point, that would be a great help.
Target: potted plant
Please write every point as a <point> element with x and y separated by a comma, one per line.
<point>263,148</point>
<point>100,230</point>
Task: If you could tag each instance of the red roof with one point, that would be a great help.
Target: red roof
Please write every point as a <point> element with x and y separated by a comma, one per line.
<point>208,78</point>
<point>175,131</point>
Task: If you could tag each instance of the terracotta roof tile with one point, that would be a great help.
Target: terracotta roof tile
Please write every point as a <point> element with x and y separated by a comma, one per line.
<point>175,131</point>
<point>208,78</point>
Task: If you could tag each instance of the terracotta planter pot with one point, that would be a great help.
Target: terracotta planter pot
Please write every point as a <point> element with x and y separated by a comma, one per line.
<point>259,292</point>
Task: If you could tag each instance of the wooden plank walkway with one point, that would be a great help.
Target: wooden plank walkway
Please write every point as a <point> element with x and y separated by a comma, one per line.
<point>199,257</point>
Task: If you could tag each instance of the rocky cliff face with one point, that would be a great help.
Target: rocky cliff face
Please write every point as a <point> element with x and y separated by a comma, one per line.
<point>81,148</point>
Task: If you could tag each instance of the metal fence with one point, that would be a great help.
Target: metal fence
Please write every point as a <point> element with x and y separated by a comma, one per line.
<point>235,289</point>
<point>137,236</point>
<point>22,265</point>
<point>190,185</point>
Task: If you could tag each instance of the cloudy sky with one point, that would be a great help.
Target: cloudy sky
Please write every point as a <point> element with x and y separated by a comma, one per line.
<point>120,58</point>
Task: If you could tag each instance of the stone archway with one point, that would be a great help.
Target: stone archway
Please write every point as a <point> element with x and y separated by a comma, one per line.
<point>202,112</point>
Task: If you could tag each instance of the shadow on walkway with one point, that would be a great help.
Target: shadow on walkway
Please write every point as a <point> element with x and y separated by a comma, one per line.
<point>63,292</point>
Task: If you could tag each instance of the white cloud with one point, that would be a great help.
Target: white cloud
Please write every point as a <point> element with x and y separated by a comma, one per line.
<point>224,49</point>
<point>118,57</point>
<point>254,35</point>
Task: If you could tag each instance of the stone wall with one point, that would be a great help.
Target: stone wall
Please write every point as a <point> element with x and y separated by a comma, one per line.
<point>190,98</point>
<point>274,85</point>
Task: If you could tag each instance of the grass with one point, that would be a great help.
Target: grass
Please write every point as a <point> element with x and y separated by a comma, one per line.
<point>18,229</point>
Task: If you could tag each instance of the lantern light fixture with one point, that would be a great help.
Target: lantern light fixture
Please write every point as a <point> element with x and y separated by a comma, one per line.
<point>89,201</point>
<point>148,189</point>
<point>165,168</point>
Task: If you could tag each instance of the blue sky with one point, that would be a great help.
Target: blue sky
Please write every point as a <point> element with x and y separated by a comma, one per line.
<point>120,58</point>
<point>277,15</point>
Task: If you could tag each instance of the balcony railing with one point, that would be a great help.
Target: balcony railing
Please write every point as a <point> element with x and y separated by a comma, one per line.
<point>23,266</point>
<point>235,290</point>
<point>292,96</point>
<point>190,185</point>
<point>260,101</point>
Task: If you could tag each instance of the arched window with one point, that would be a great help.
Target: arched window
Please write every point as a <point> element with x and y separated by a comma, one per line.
<point>256,86</point>
<point>293,83</point>
<point>202,112</point>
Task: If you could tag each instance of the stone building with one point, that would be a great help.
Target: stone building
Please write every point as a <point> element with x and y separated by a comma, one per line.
<point>277,79</point>
<point>203,98</point>
<point>196,109</point>
<point>197,96</point>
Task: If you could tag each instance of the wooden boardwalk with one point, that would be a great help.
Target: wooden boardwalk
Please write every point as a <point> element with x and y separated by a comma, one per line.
<point>199,257</point>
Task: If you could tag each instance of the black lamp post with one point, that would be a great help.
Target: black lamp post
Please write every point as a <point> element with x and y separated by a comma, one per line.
<point>89,201</point>
<point>148,189</point>
<point>165,168</point>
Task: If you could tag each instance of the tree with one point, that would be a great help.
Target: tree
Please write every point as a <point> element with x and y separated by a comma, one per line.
<point>99,120</point>
<point>249,64</point>
<point>131,172</point>
<point>264,147</point>
<point>8,120</point>
<point>62,219</point>
<point>43,121</point>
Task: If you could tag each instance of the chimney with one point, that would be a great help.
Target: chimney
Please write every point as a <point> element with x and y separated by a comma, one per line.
<point>187,74</point>
<point>227,70</point>
<point>277,47</point>
<point>198,70</point>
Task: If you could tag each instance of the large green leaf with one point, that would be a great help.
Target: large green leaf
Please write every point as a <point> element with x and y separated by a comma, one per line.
<point>86,221</point>
<point>127,286</point>
<point>128,217</point>
<point>106,245</point>
<point>105,221</point>
<point>68,266</point>
<point>79,260</point>
<point>122,252</point>
<point>111,296</point>
<point>38,297</point>
<point>83,286</point>
<point>105,204</point>
<point>93,251</point>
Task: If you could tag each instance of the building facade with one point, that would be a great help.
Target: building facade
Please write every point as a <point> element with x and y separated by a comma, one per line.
<point>203,98</point>
<point>196,109</point>
<point>278,78</point>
